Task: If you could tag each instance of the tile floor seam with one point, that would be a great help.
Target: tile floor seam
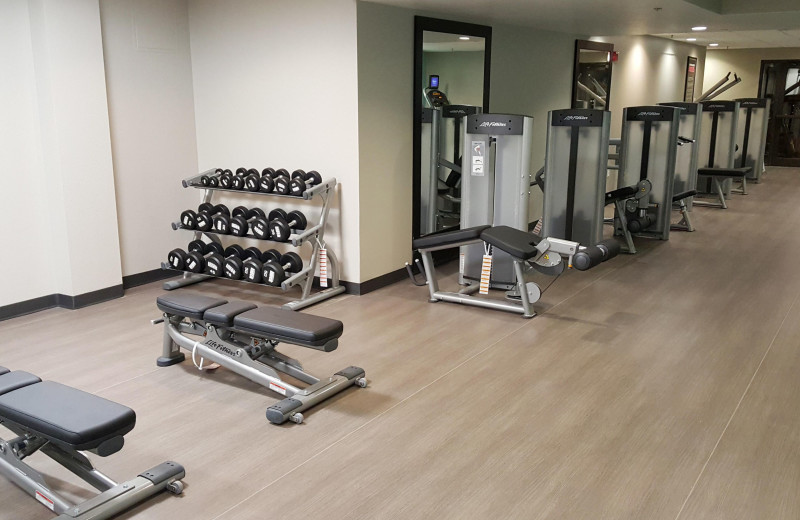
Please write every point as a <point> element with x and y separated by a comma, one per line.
<point>738,405</point>
<point>421,389</point>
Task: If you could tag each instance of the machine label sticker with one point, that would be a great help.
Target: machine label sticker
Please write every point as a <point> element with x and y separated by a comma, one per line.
<point>486,272</point>
<point>46,501</point>
<point>323,267</point>
<point>477,158</point>
<point>278,388</point>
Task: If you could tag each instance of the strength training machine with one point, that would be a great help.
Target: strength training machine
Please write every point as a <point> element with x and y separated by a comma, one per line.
<point>686,160</point>
<point>526,251</point>
<point>243,338</point>
<point>60,422</point>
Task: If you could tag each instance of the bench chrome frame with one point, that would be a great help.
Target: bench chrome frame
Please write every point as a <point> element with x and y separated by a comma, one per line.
<point>256,359</point>
<point>113,497</point>
<point>521,268</point>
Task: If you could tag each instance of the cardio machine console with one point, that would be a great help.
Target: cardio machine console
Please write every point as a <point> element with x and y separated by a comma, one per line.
<point>435,97</point>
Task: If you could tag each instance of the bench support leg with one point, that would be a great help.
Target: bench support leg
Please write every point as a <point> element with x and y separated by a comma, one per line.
<point>171,353</point>
<point>621,224</point>
<point>685,223</point>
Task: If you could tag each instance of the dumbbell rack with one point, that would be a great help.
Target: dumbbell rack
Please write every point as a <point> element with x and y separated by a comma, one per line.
<point>312,235</point>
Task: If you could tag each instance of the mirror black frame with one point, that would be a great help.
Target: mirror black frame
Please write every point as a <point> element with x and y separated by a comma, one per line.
<point>422,24</point>
<point>589,45</point>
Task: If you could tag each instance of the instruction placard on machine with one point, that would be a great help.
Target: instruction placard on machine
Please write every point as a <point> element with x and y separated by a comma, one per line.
<point>478,157</point>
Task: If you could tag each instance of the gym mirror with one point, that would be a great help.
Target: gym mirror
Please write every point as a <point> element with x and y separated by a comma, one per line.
<point>591,81</point>
<point>451,81</point>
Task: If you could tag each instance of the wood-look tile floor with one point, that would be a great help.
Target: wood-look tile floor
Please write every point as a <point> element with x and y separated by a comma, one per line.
<point>661,385</point>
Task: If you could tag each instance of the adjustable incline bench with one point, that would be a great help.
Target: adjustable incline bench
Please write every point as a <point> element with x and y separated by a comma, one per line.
<point>60,422</point>
<point>526,250</point>
<point>242,338</point>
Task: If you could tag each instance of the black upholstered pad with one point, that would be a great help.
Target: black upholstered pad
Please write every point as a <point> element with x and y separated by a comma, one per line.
<point>191,305</point>
<point>224,314</point>
<point>683,195</point>
<point>451,237</point>
<point>3,370</point>
<point>515,242</point>
<point>293,327</point>
<point>723,172</point>
<point>10,381</point>
<point>66,415</point>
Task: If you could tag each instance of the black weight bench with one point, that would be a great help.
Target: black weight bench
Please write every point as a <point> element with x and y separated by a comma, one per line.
<point>60,422</point>
<point>527,250</point>
<point>715,174</point>
<point>242,337</point>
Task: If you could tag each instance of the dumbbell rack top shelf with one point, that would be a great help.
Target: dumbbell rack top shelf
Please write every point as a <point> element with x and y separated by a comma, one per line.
<point>314,236</point>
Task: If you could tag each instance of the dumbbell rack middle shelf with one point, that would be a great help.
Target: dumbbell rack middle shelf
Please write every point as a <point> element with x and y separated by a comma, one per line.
<point>314,236</point>
<point>297,239</point>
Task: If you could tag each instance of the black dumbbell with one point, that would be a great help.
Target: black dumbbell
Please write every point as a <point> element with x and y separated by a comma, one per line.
<point>226,179</point>
<point>275,272</point>
<point>228,264</point>
<point>241,171</point>
<point>281,224</point>
<point>211,181</point>
<point>244,218</point>
<point>195,259</point>
<point>254,263</point>
<point>192,220</point>
<point>282,181</point>
<point>267,181</point>
<point>252,181</point>
<point>207,212</point>
<point>301,181</point>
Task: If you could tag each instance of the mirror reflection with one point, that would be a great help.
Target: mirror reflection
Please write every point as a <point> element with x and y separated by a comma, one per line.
<point>453,80</point>
<point>592,81</point>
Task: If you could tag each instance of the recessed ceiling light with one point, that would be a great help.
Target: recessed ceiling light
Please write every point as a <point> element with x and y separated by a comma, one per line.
<point>713,45</point>
<point>699,28</point>
<point>463,37</point>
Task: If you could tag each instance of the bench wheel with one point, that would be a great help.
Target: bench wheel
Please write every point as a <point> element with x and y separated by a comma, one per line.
<point>297,417</point>
<point>362,382</point>
<point>176,488</point>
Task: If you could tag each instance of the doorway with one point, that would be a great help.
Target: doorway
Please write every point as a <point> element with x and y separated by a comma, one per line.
<point>780,82</point>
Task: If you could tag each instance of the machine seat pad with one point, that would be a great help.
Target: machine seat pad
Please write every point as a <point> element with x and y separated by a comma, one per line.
<point>451,237</point>
<point>723,172</point>
<point>292,327</point>
<point>685,194</point>
<point>515,242</point>
<point>10,381</point>
<point>3,370</point>
<point>66,415</point>
<point>190,305</point>
<point>224,314</point>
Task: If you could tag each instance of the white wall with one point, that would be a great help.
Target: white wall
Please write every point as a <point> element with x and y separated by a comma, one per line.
<point>25,271</point>
<point>744,62</point>
<point>649,71</point>
<point>275,84</point>
<point>151,108</point>
<point>460,75</point>
<point>65,145</point>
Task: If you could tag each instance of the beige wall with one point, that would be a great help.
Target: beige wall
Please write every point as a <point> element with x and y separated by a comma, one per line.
<point>744,62</point>
<point>649,71</point>
<point>151,110</point>
<point>66,186</point>
<point>531,74</point>
<point>275,84</point>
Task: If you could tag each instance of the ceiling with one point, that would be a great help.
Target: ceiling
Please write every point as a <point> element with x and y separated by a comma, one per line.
<point>742,39</point>
<point>738,23</point>
<point>447,42</point>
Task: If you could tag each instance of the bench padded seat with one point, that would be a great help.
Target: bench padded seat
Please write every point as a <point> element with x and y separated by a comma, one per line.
<point>66,415</point>
<point>683,195</point>
<point>290,326</point>
<point>723,172</point>
<point>3,370</point>
<point>223,315</point>
<point>515,242</point>
<point>190,305</point>
<point>10,381</point>
<point>451,237</point>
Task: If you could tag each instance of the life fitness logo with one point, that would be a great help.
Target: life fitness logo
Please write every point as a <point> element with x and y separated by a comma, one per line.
<point>576,118</point>
<point>648,114</point>
<point>491,123</point>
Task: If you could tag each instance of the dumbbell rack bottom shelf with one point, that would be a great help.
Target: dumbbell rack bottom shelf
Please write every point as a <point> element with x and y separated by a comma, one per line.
<point>314,236</point>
